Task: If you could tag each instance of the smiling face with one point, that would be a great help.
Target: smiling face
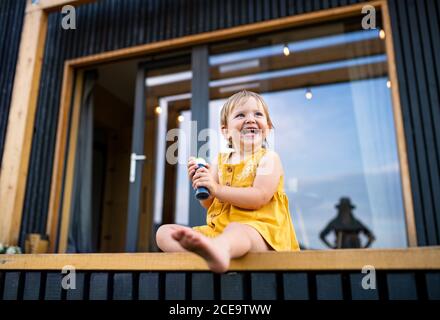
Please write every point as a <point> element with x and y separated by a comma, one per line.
<point>247,124</point>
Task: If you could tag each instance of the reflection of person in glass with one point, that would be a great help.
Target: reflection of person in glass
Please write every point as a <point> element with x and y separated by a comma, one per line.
<point>347,228</point>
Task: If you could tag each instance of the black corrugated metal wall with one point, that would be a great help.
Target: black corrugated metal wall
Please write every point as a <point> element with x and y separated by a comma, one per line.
<point>114,24</point>
<point>11,22</point>
<point>416,38</point>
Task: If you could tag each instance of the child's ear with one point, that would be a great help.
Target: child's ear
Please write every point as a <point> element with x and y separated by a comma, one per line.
<point>224,131</point>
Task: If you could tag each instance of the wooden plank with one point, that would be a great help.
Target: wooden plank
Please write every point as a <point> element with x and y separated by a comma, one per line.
<point>232,286</point>
<point>263,286</point>
<point>79,292</point>
<point>175,286</point>
<point>358,292</point>
<point>18,139</point>
<point>70,164</point>
<point>295,286</point>
<point>149,286</point>
<point>59,157</point>
<point>433,285</point>
<point>329,287</point>
<point>99,284</point>
<point>11,287</point>
<point>402,286</point>
<point>397,50</point>
<point>423,258</point>
<point>55,5</point>
<point>123,286</point>
<point>202,286</point>
<point>32,286</point>
<point>53,289</point>
<point>400,130</point>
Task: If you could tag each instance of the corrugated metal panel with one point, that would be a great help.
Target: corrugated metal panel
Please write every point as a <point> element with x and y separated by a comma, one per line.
<point>416,37</point>
<point>11,22</point>
<point>113,24</point>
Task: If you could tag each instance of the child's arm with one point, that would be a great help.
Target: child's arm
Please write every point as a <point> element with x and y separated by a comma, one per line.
<point>265,185</point>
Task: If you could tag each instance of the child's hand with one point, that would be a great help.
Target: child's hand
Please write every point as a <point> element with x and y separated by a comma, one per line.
<point>192,167</point>
<point>203,178</point>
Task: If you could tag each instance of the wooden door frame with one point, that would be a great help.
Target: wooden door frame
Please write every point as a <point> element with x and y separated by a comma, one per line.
<point>13,180</point>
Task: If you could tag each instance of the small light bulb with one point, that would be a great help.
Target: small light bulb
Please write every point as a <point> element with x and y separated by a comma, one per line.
<point>309,94</point>
<point>286,50</point>
<point>388,84</point>
<point>180,118</point>
<point>158,110</point>
<point>382,34</point>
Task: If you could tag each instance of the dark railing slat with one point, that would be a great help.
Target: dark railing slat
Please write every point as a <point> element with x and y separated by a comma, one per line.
<point>53,289</point>
<point>175,286</point>
<point>202,286</point>
<point>433,285</point>
<point>295,286</point>
<point>11,286</point>
<point>402,286</point>
<point>32,285</point>
<point>79,292</point>
<point>329,287</point>
<point>123,286</point>
<point>263,286</point>
<point>360,293</point>
<point>99,286</point>
<point>232,286</point>
<point>149,286</point>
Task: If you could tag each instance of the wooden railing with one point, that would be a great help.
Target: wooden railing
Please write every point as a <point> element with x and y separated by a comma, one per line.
<point>402,274</point>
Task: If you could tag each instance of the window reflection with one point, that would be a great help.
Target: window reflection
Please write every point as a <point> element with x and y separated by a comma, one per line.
<point>330,101</point>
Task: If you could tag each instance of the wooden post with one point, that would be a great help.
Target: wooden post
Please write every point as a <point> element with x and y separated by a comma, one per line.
<point>15,163</point>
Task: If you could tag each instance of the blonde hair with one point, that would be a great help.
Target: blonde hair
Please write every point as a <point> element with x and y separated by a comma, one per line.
<point>238,99</point>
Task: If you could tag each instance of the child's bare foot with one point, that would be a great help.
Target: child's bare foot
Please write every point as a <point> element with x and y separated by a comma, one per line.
<point>215,254</point>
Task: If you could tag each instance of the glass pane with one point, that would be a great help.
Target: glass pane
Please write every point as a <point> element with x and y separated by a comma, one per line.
<point>328,94</point>
<point>168,94</point>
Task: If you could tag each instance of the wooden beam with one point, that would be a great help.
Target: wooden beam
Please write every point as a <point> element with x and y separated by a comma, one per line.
<point>400,130</point>
<point>427,258</point>
<point>21,125</point>
<point>59,156</point>
<point>68,184</point>
<point>55,5</point>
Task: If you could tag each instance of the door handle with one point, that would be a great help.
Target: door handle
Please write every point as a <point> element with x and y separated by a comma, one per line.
<point>135,157</point>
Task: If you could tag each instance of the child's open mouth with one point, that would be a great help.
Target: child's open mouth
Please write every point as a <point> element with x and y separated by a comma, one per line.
<point>250,132</point>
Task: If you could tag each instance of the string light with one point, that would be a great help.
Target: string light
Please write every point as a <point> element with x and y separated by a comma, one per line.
<point>180,118</point>
<point>286,50</point>
<point>158,110</point>
<point>309,94</point>
<point>388,84</point>
<point>382,34</point>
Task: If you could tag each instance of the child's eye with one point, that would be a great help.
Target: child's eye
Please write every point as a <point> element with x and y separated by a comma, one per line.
<point>259,114</point>
<point>239,115</point>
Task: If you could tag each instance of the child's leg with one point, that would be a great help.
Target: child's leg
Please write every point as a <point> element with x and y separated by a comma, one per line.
<point>235,241</point>
<point>164,238</point>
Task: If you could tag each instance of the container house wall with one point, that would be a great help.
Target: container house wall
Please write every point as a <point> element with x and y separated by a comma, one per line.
<point>112,24</point>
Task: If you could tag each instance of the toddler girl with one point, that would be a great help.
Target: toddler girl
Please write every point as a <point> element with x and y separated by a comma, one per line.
<point>247,208</point>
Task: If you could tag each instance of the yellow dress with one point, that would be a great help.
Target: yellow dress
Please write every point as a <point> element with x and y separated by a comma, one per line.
<point>272,221</point>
